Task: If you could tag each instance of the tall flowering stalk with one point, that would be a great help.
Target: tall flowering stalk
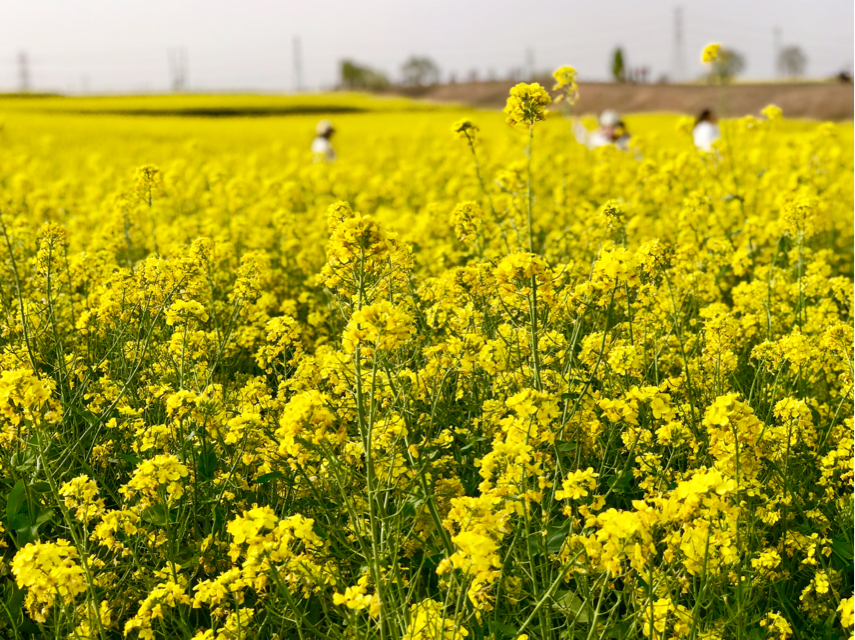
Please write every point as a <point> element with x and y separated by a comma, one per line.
<point>527,105</point>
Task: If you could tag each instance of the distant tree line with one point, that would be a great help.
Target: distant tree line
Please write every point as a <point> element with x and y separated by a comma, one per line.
<point>417,71</point>
<point>422,71</point>
<point>360,77</point>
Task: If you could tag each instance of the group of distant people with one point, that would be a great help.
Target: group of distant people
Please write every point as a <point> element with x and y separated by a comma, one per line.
<point>611,130</point>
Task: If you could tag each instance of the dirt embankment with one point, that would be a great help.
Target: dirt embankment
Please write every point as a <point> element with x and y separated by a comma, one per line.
<point>822,101</point>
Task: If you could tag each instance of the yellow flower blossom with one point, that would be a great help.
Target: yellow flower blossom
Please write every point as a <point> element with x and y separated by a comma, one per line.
<point>710,52</point>
<point>48,571</point>
<point>526,104</point>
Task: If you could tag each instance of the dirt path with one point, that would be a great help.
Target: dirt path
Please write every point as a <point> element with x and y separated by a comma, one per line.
<point>829,101</point>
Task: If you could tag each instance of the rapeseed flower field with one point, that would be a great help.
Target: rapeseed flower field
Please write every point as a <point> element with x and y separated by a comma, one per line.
<point>472,380</point>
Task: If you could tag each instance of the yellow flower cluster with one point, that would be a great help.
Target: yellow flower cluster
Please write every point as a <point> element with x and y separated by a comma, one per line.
<point>527,104</point>
<point>80,494</point>
<point>377,327</point>
<point>565,81</point>
<point>156,479</point>
<point>710,52</point>
<point>428,623</point>
<point>49,572</point>
<point>356,597</point>
<point>24,399</point>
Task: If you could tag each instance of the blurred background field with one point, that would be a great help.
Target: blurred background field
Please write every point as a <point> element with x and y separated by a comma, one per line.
<point>271,124</point>
<point>210,105</point>
<point>381,142</point>
<point>811,100</point>
<point>377,135</point>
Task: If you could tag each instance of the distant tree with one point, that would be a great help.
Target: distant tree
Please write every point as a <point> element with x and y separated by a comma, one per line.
<point>792,61</point>
<point>357,76</point>
<point>727,65</point>
<point>420,72</point>
<point>618,70</point>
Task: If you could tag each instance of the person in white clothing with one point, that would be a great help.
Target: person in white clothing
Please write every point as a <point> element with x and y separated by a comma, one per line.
<point>705,131</point>
<point>612,130</point>
<point>322,149</point>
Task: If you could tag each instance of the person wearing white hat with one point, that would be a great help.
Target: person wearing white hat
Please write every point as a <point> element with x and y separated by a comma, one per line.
<point>322,149</point>
<point>706,131</point>
<point>612,130</point>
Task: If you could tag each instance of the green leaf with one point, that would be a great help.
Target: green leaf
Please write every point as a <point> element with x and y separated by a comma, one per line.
<point>29,531</point>
<point>208,463</point>
<point>45,515</point>
<point>472,444</point>
<point>40,487</point>
<point>555,536</point>
<point>503,630</point>
<point>618,631</point>
<point>320,531</point>
<point>218,522</point>
<point>268,477</point>
<point>411,506</point>
<point>23,462</point>
<point>843,548</point>
<point>156,515</point>
<point>87,415</point>
<point>842,552</point>
<point>15,503</point>
<point>620,483</point>
<point>571,605</point>
<point>14,599</point>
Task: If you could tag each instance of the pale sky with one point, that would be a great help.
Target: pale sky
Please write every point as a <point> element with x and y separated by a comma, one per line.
<point>112,46</point>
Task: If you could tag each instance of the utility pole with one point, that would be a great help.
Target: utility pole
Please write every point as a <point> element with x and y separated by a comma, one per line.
<point>23,72</point>
<point>184,71</point>
<point>178,68</point>
<point>678,63</point>
<point>777,52</point>
<point>173,69</point>
<point>298,65</point>
<point>529,63</point>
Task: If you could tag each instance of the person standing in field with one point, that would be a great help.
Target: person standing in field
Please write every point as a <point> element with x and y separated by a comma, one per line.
<point>611,130</point>
<point>322,149</point>
<point>705,131</point>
